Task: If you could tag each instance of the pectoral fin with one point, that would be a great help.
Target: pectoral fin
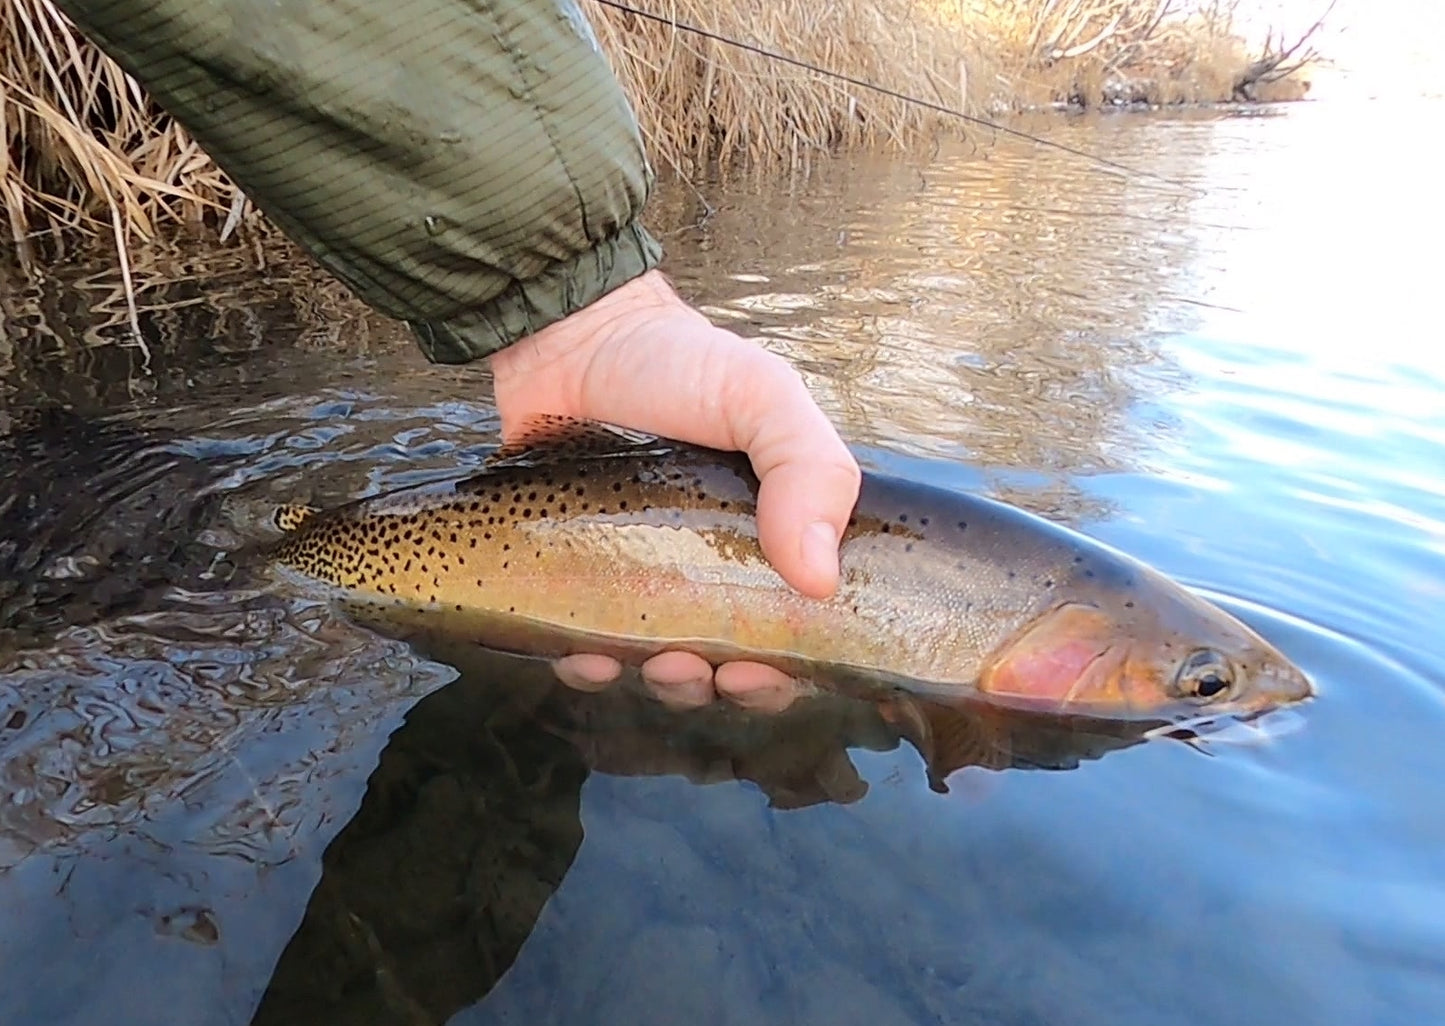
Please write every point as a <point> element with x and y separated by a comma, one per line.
<point>948,737</point>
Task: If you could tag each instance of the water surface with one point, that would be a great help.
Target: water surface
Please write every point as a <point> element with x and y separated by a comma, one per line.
<point>223,803</point>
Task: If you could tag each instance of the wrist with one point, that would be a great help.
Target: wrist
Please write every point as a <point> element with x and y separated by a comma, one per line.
<point>551,366</point>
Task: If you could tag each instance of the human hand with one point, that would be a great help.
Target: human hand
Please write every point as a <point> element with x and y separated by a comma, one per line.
<point>641,358</point>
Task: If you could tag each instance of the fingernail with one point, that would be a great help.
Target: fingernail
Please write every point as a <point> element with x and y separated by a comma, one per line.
<point>820,548</point>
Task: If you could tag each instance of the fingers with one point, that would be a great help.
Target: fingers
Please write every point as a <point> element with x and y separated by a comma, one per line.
<point>587,672</point>
<point>679,680</point>
<point>755,686</point>
<point>682,680</point>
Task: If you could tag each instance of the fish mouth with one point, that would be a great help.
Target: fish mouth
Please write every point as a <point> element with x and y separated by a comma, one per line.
<point>1286,685</point>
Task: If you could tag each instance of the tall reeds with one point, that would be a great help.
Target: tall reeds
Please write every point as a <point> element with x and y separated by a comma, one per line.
<point>86,153</point>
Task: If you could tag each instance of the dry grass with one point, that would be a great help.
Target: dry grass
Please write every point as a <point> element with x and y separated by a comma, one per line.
<point>700,98</point>
<point>86,153</point>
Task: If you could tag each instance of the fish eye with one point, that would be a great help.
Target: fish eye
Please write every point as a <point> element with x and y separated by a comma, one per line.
<point>1204,675</point>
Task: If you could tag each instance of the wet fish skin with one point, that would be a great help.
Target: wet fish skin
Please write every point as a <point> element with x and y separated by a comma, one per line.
<point>581,540</point>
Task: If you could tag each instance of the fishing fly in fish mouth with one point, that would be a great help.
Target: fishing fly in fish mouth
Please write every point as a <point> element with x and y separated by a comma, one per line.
<point>580,541</point>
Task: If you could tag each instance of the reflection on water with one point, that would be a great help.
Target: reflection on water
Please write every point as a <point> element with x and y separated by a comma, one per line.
<point>223,802</point>
<point>996,311</point>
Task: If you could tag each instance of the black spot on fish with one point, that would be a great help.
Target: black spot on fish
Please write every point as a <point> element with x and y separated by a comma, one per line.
<point>542,514</point>
<point>506,546</point>
<point>923,522</point>
<point>527,513</point>
<point>644,616</point>
<point>963,525</point>
<point>622,504</point>
<point>903,518</point>
<point>617,486</point>
<point>1129,604</point>
<point>512,512</point>
<point>887,529</point>
<point>908,547</point>
<point>472,542</point>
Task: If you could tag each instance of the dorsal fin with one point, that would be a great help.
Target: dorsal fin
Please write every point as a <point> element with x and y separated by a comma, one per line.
<point>547,438</point>
<point>292,515</point>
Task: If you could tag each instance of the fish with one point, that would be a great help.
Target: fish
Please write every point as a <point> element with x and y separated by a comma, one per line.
<point>581,537</point>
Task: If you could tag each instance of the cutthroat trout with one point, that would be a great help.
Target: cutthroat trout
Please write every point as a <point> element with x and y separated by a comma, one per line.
<point>583,538</point>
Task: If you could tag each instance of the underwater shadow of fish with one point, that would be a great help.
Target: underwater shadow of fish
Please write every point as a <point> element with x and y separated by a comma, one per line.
<point>797,757</point>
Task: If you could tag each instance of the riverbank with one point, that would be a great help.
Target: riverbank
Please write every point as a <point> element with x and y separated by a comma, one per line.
<point>88,154</point>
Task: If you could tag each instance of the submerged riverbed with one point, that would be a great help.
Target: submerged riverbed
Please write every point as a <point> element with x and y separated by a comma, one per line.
<point>223,803</point>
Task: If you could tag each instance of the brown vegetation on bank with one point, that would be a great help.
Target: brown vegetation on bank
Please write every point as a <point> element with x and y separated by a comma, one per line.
<point>87,153</point>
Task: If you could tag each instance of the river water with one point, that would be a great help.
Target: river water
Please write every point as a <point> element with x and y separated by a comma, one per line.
<point>223,803</point>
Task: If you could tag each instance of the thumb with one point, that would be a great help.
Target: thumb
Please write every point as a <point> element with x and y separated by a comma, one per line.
<point>809,479</point>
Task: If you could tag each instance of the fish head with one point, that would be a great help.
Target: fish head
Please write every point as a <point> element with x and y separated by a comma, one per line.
<point>1151,650</point>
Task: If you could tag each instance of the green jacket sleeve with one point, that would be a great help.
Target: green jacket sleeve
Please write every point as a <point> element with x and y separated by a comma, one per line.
<point>470,167</point>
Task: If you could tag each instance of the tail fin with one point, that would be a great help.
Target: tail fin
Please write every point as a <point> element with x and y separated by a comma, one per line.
<point>292,516</point>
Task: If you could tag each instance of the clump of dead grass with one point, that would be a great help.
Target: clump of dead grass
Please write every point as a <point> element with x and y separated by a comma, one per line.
<point>87,153</point>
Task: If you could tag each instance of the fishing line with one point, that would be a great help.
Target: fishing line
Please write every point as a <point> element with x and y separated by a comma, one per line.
<point>862,84</point>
